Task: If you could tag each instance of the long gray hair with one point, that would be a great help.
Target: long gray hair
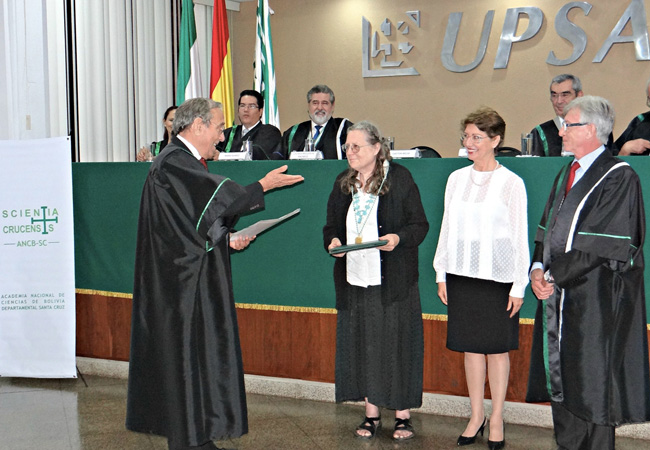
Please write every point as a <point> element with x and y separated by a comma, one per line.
<point>349,183</point>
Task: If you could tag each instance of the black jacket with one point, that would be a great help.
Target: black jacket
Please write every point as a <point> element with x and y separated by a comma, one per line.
<point>400,211</point>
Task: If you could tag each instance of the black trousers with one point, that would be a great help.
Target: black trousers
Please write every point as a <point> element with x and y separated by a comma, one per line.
<point>574,433</point>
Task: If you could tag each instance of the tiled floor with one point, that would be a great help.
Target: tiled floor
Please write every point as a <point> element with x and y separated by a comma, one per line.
<point>65,414</point>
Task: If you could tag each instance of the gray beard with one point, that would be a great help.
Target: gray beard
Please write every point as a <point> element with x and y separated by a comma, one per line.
<point>319,120</point>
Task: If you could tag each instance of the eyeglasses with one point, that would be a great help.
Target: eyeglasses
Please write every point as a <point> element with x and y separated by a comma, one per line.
<point>475,138</point>
<point>353,148</point>
<point>566,125</point>
<point>251,106</point>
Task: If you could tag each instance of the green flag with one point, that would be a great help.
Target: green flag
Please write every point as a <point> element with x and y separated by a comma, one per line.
<point>188,82</point>
<point>264,66</point>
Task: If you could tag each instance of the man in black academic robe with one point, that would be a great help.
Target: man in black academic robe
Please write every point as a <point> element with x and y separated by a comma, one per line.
<point>590,350</point>
<point>185,373</point>
<point>328,133</point>
<point>546,136</point>
<point>546,139</point>
<point>264,138</point>
<point>635,140</point>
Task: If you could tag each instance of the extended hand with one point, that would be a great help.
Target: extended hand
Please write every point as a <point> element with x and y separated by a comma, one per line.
<point>277,178</point>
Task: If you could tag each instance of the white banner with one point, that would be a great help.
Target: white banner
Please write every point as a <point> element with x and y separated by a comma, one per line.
<point>37,290</point>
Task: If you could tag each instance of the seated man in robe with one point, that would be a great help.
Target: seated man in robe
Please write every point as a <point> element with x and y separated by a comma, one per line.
<point>546,140</point>
<point>264,138</point>
<point>635,140</point>
<point>328,133</point>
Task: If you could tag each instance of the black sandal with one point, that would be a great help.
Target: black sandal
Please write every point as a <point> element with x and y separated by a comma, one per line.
<point>403,425</point>
<point>370,424</point>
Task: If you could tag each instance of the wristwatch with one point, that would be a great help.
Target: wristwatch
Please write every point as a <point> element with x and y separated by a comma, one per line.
<point>548,277</point>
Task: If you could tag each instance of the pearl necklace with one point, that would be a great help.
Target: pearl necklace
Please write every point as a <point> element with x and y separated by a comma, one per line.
<point>487,179</point>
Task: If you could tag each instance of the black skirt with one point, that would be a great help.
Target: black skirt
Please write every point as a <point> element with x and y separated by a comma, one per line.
<point>478,321</point>
<point>380,349</point>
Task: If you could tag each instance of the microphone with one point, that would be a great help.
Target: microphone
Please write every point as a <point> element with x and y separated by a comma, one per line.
<point>263,151</point>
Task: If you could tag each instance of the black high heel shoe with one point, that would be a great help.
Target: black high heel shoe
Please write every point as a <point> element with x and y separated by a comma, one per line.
<point>498,445</point>
<point>464,440</point>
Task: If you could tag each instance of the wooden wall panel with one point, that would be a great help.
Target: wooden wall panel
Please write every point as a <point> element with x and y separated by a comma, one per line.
<point>292,344</point>
<point>443,369</point>
<point>327,352</point>
<point>103,326</point>
<point>288,344</point>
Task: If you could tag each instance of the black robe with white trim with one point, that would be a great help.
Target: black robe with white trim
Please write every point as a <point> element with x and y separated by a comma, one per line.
<point>590,349</point>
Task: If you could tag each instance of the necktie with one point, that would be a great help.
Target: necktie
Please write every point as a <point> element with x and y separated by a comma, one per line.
<point>318,127</point>
<point>244,130</point>
<point>204,162</point>
<point>572,174</point>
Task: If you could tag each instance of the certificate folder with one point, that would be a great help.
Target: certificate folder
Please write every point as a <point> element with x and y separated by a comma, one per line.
<point>353,247</point>
<point>263,225</point>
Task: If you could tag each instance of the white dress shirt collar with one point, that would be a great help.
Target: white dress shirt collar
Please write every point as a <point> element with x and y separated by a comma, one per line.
<point>192,149</point>
<point>586,162</point>
<point>244,130</point>
<point>313,127</point>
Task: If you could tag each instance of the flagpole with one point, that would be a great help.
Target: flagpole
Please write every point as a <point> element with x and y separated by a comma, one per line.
<point>265,66</point>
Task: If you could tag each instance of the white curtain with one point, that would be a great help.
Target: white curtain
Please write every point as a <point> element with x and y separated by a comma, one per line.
<point>26,85</point>
<point>56,105</point>
<point>10,66</point>
<point>154,68</point>
<point>124,75</point>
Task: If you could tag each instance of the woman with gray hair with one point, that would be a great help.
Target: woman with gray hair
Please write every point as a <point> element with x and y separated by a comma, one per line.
<point>379,337</point>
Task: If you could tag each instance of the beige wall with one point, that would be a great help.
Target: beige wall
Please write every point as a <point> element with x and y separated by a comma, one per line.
<point>317,41</point>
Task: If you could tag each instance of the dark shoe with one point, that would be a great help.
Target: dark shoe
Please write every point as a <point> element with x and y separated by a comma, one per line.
<point>403,425</point>
<point>498,445</point>
<point>464,440</point>
<point>212,446</point>
<point>370,424</point>
<point>207,446</point>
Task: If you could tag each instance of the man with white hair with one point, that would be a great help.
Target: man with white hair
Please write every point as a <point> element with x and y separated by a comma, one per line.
<point>186,380</point>
<point>590,349</point>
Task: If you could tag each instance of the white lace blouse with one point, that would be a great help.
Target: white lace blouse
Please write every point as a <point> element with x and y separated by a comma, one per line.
<point>484,231</point>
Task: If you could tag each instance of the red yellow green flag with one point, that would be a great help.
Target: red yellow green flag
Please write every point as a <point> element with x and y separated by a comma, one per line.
<point>221,89</point>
